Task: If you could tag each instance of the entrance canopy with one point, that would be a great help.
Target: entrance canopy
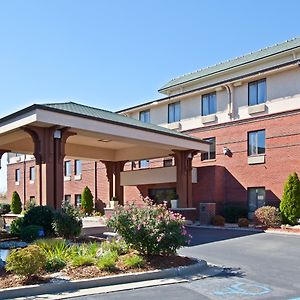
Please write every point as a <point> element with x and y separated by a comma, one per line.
<point>54,131</point>
<point>96,134</point>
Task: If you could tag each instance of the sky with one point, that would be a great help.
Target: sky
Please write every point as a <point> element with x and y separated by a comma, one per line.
<point>116,54</point>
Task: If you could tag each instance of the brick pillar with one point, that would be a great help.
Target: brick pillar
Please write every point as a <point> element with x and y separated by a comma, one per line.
<point>183,161</point>
<point>113,174</point>
<point>49,152</point>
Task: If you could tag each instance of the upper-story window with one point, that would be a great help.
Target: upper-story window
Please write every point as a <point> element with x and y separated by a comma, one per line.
<point>17,175</point>
<point>256,142</point>
<point>145,116</point>
<point>212,149</point>
<point>257,92</point>
<point>209,104</point>
<point>174,112</point>
<point>68,168</point>
<point>78,167</point>
<point>31,173</point>
<point>145,163</point>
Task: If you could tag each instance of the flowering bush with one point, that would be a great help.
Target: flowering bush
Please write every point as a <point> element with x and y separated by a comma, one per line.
<point>150,230</point>
<point>268,216</point>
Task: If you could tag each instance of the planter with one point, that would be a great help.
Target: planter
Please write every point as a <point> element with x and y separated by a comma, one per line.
<point>174,203</point>
<point>113,204</point>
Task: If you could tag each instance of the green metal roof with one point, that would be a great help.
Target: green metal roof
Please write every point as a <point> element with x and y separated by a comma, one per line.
<point>229,64</point>
<point>108,116</point>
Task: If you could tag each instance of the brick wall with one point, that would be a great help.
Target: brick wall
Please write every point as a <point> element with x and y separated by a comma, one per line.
<point>224,180</point>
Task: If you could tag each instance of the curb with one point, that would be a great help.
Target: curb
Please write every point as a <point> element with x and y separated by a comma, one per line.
<point>225,228</point>
<point>65,286</point>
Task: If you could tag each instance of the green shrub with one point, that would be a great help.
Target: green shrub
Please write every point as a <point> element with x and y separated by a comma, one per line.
<point>243,222</point>
<point>79,261</point>
<point>218,220</point>
<point>268,216</point>
<point>4,208</point>
<point>54,264</point>
<point>67,222</point>
<point>41,216</point>
<point>16,204</point>
<point>26,262</point>
<point>290,202</point>
<point>108,261</point>
<point>117,245</point>
<point>233,213</point>
<point>87,203</point>
<point>30,233</point>
<point>54,248</point>
<point>134,261</point>
<point>150,230</point>
<point>16,226</point>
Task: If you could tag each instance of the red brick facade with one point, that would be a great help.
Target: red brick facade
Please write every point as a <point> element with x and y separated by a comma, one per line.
<point>224,180</point>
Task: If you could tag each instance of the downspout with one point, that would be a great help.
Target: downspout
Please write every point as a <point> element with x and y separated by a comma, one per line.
<point>229,90</point>
<point>96,183</point>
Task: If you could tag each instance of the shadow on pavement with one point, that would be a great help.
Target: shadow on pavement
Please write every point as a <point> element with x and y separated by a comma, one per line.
<point>202,236</point>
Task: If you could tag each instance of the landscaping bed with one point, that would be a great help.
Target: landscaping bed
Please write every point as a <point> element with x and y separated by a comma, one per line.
<point>8,280</point>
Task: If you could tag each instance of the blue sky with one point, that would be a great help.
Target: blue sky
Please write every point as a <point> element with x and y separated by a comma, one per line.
<point>115,54</point>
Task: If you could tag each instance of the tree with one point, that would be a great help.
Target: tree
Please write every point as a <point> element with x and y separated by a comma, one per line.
<point>87,203</point>
<point>16,204</point>
<point>290,202</point>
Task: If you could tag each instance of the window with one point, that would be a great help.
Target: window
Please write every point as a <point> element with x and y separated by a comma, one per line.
<point>257,92</point>
<point>68,198</point>
<point>256,142</point>
<point>144,164</point>
<point>212,149</point>
<point>174,112</point>
<point>168,162</point>
<point>78,200</point>
<point>209,104</point>
<point>256,199</point>
<point>145,116</point>
<point>78,168</point>
<point>31,173</point>
<point>161,195</point>
<point>17,175</point>
<point>68,168</point>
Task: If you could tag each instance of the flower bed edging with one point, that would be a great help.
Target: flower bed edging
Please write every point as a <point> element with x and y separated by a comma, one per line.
<point>64,286</point>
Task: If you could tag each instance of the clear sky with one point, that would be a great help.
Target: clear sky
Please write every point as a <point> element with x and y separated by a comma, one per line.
<point>115,54</point>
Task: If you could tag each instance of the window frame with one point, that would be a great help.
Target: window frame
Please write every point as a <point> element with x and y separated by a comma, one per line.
<point>144,167</point>
<point>17,175</point>
<point>209,153</point>
<point>256,82</point>
<point>76,161</point>
<point>76,200</point>
<point>174,114</point>
<point>209,95</point>
<point>168,162</point>
<point>257,142</point>
<point>66,169</point>
<point>147,113</point>
<point>31,174</point>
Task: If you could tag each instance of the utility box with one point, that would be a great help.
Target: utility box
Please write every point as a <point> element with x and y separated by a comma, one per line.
<point>206,212</point>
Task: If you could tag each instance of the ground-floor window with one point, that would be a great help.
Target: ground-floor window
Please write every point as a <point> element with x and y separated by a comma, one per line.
<point>161,195</point>
<point>78,200</point>
<point>68,198</point>
<point>256,199</point>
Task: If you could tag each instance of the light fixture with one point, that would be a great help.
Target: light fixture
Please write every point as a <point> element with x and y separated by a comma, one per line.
<point>104,141</point>
<point>57,134</point>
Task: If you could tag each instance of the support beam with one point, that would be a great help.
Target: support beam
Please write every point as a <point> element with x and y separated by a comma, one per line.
<point>113,174</point>
<point>183,161</point>
<point>49,152</point>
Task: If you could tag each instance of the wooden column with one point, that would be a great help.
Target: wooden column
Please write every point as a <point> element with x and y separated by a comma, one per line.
<point>49,152</point>
<point>183,161</point>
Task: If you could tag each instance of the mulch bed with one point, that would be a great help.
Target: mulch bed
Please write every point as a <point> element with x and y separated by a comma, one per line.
<point>8,280</point>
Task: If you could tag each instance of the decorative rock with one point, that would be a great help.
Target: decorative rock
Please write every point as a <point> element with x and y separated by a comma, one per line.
<point>12,245</point>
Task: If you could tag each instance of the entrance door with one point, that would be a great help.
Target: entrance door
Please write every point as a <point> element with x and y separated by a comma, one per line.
<point>256,199</point>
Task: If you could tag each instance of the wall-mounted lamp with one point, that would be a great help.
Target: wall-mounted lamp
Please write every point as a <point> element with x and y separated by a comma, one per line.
<point>57,134</point>
<point>226,151</point>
